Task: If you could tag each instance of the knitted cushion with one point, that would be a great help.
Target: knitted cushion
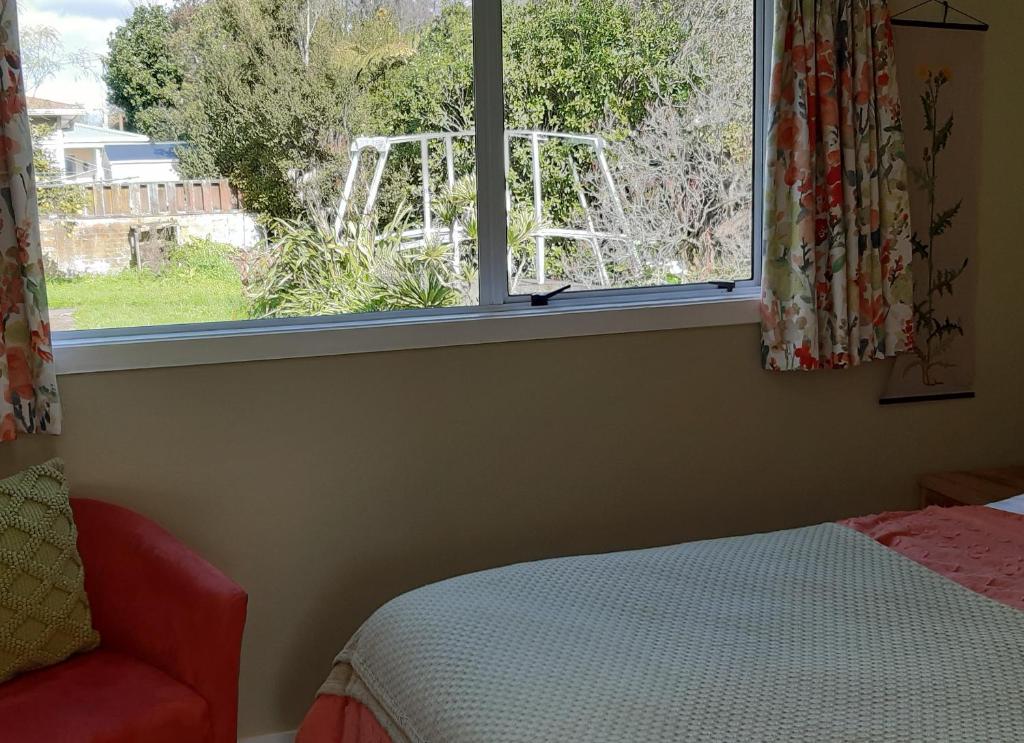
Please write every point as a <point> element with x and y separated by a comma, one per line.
<point>44,612</point>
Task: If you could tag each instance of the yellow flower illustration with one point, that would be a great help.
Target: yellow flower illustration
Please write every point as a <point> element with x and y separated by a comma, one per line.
<point>923,72</point>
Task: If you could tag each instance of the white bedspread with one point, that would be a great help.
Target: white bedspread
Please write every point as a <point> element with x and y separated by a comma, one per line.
<point>810,635</point>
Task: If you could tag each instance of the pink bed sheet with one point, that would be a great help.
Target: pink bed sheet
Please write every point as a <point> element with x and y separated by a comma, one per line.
<point>980,548</point>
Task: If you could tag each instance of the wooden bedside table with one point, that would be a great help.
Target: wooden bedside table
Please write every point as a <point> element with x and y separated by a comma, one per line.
<point>974,488</point>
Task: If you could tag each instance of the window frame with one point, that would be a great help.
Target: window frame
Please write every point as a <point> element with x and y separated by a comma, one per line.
<point>488,86</point>
<point>500,315</point>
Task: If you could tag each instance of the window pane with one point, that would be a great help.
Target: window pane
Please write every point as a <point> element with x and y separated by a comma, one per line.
<point>629,142</point>
<point>247,159</point>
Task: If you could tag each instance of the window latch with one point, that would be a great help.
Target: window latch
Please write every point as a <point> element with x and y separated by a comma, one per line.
<point>541,300</point>
<point>727,285</point>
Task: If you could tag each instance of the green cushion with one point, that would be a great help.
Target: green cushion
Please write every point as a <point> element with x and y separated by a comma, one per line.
<point>44,613</point>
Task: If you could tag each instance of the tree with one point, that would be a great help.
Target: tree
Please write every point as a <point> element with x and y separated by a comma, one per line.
<point>143,73</point>
<point>44,56</point>
<point>685,171</point>
<point>568,64</point>
<point>255,110</point>
<point>274,91</point>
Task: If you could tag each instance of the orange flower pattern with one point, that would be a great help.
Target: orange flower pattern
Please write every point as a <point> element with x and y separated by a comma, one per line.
<point>31,403</point>
<point>837,289</point>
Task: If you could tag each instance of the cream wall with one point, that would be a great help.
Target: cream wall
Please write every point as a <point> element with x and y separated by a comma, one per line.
<point>326,486</point>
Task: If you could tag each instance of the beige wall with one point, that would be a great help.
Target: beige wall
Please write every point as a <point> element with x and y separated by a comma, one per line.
<point>326,486</point>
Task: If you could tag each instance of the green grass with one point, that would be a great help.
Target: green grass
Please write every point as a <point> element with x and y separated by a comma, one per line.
<point>200,284</point>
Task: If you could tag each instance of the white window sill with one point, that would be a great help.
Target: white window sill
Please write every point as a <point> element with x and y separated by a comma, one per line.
<point>100,351</point>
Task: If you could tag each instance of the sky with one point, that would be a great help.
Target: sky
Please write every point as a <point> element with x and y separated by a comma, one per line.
<point>83,24</point>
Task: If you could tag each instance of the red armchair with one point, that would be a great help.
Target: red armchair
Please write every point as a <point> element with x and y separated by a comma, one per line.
<point>166,670</point>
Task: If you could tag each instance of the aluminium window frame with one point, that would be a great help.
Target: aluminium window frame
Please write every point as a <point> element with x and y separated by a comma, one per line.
<point>584,312</point>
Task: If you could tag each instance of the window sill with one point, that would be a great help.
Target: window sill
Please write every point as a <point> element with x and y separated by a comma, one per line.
<point>102,351</point>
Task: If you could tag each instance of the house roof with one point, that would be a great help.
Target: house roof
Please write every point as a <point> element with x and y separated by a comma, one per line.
<point>149,152</point>
<point>101,136</point>
<point>45,104</point>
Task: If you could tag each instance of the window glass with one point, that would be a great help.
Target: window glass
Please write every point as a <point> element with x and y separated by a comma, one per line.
<point>215,160</point>
<point>629,142</point>
<point>225,160</point>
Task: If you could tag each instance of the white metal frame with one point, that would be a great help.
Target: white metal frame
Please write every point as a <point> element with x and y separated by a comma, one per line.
<point>453,233</point>
<point>583,312</point>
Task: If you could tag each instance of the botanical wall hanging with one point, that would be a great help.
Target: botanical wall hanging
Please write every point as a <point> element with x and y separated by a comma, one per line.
<point>940,72</point>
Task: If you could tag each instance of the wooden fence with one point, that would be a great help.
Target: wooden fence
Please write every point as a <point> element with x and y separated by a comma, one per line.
<point>160,199</point>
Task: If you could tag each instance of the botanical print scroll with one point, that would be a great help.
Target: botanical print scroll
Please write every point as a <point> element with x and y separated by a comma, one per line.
<point>940,77</point>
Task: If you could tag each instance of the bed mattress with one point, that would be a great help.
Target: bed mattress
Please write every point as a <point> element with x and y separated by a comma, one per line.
<point>980,549</point>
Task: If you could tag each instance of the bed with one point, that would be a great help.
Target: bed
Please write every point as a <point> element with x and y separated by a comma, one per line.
<point>898,626</point>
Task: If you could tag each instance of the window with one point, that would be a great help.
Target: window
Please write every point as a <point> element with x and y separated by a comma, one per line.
<point>629,143</point>
<point>280,162</point>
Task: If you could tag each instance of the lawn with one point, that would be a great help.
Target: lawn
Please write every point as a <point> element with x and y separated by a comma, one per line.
<point>200,284</point>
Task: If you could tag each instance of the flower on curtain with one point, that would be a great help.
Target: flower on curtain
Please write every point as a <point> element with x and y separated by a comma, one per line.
<point>31,403</point>
<point>837,288</point>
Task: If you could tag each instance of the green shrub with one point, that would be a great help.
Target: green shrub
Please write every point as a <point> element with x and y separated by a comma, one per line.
<point>203,257</point>
<point>308,272</point>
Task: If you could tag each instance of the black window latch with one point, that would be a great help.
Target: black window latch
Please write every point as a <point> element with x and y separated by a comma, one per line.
<point>727,285</point>
<point>541,300</point>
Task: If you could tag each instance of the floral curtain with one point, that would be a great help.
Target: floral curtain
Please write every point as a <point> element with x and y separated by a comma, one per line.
<point>837,289</point>
<point>30,403</point>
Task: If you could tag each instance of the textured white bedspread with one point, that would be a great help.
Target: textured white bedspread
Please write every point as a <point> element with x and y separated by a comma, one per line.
<point>809,635</point>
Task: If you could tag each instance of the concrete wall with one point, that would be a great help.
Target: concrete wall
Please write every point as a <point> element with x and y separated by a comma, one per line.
<point>100,245</point>
<point>236,228</point>
<point>85,246</point>
<point>327,486</point>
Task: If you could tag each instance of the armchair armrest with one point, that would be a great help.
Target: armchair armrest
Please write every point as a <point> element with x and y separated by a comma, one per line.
<point>156,600</point>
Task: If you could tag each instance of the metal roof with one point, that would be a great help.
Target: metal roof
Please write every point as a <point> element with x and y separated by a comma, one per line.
<point>151,152</point>
<point>100,136</point>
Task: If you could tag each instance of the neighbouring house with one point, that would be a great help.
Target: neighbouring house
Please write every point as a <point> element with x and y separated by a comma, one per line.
<point>54,113</point>
<point>87,154</point>
<point>151,161</point>
<point>137,205</point>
